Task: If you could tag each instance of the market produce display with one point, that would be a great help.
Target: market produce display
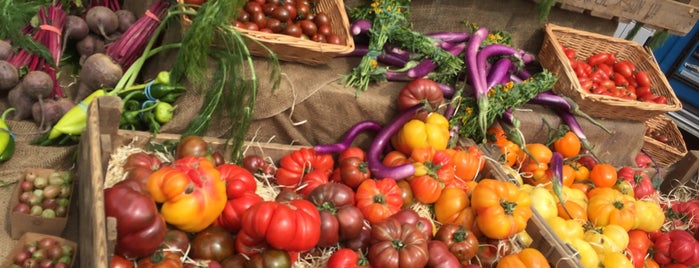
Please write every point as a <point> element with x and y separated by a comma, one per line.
<point>450,181</point>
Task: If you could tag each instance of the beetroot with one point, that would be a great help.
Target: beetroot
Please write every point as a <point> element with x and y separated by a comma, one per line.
<point>126,19</point>
<point>98,71</point>
<point>102,20</point>
<point>53,110</point>
<point>37,84</point>
<point>21,102</point>
<point>89,45</point>
<point>9,77</point>
<point>5,50</point>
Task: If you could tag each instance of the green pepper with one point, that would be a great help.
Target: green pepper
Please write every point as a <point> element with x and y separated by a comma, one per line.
<point>152,123</point>
<point>131,117</point>
<point>75,120</point>
<point>7,139</point>
<point>164,112</point>
<point>152,92</point>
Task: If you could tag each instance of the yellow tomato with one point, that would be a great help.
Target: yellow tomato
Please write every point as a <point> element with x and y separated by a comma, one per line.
<point>609,206</point>
<point>432,132</point>
<point>616,260</point>
<point>649,216</point>
<point>601,243</point>
<point>624,187</point>
<point>617,234</point>
<point>567,230</point>
<point>542,200</point>
<point>525,238</point>
<point>588,255</point>
<point>575,195</point>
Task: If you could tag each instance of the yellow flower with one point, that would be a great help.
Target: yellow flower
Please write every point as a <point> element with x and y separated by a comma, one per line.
<point>508,86</point>
<point>491,92</point>
<point>469,110</point>
<point>373,63</point>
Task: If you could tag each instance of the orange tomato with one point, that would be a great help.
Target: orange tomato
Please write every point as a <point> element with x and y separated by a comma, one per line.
<point>568,146</point>
<point>539,152</point>
<point>603,175</point>
<point>576,211</point>
<point>526,258</point>
<point>582,173</point>
<point>568,175</point>
<point>584,187</point>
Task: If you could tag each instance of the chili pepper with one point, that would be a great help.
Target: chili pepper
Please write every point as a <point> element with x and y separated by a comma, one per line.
<point>74,121</point>
<point>7,139</point>
<point>163,112</point>
<point>152,92</point>
<point>131,117</point>
<point>152,123</point>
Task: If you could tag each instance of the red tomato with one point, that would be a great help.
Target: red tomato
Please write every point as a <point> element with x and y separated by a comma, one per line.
<point>642,91</point>
<point>347,258</point>
<point>120,262</point>
<point>611,59</point>
<point>642,78</point>
<point>607,84</point>
<point>570,53</point>
<point>625,68</point>
<point>660,100</point>
<point>605,68</point>
<point>378,199</point>
<point>620,80</point>
<point>418,91</point>
<point>598,58</point>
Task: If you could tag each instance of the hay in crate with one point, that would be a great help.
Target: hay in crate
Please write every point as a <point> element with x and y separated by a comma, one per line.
<point>552,57</point>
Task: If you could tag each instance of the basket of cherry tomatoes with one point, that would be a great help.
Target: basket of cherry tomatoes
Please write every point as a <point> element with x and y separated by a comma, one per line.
<point>607,77</point>
<point>663,141</point>
<point>305,31</point>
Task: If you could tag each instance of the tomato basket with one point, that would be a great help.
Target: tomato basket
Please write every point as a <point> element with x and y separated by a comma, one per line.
<point>294,49</point>
<point>665,154</point>
<point>552,57</point>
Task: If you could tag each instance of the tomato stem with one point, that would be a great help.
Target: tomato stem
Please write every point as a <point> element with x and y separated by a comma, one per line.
<point>508,206</point>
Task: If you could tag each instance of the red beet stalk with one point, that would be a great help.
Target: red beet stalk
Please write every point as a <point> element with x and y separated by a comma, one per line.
<point>131,44</point>
<point>48,34</point>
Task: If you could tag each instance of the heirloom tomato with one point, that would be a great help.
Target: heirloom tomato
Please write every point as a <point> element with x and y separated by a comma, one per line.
<point>213,243</point>
<point>502,210</point>
<point>459,240</point>
<point>140,228</point>
<point>191,145</point>
<point>433,171</point>
<point>351,171</point>
<point>397,245</point>
<point>454,206</point>
<point>120,262</point>
<point>649,216</point>
<point>340,219</point>
<point>608,206</point>
<point>238,180</point>
<point>567,230</point>
<point>467,161</point>
<point>440,256</point>
<point>192,193</point>
<point>526,258</point>
<point>420,91</point>
<point>639,181</point>
<point>616,260</point>
<point>432,132</point>
<point>542,200</point>
<point>588,255</point>
<point>378,199</point>
<point>161,259</point>
<point>300,166</point>
<point>409,216</point>
<point>233,211</point>
<point>676,246</point>
<point>293,226</point>
<point>270,258</point>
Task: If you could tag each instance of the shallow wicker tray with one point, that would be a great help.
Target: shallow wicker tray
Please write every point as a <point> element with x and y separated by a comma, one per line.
<point>289,48</point>
<point>551,57</point>
<point>665,154</point>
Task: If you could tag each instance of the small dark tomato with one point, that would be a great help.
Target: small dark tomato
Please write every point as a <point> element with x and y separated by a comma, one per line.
<point>251,26</point>
<point>321,19</point>
<point>239,24</point>
<point>243,16</point>
<point>192,146</point>
<point>270,258</point>
<point>252,7</point>
<point>324,29</point>
<point>334,39</point>
<point>303,9</point>
<point>259,18</point>
<point>291,7</point>
<point>269,8</point>
<point>281,14</point>
<point>308,27</point>
<point>318,38</point>
<point>293,29</point>
<point>274,24</point>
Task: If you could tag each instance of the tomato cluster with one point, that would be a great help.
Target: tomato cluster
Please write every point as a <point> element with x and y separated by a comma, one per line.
<point>290,17</point>
<point>603,73</point>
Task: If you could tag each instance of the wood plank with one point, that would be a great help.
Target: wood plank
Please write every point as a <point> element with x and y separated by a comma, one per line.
<point>675,16</point>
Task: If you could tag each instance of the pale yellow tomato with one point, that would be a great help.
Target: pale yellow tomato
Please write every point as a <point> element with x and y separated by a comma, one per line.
<point>567,230</point>
<point>588,255</point>
<point>542,200</point>
<point>649,216</point>
<point>616,260</point>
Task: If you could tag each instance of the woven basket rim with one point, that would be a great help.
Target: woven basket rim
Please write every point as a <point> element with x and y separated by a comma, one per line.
<point>673,102</point>
<point>282,39</point>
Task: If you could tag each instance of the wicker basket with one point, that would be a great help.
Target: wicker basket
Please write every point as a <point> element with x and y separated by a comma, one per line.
<point>665,154</point>
<point>289,48</point>
<point>551,57</point>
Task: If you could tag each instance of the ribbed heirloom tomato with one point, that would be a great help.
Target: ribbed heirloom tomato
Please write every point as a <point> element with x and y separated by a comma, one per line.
<point>378,199</point>
<point>502,209</point>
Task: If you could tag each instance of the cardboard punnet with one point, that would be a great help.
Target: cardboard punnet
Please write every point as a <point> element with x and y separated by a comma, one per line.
<point>30,237</point>
<point>21,223</point>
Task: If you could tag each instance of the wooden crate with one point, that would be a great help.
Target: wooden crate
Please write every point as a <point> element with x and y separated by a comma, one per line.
<point>677,17</point>
<point>97,143</point>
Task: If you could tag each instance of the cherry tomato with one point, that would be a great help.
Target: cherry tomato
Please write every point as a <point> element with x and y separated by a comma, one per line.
<point>605,68</point>
<point>252,7</point>
<point>308,27</point>
<point>333,39</point>
<point>611,59</point>
<point>293,29</point>
<point>282,14</point>
<point>570,53</point>
<point>303,10</point>
<point>620,80</point>
<point>321,19</point>
<point>243,16</point>
<point>324,30</point>
<point>660,100</point>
